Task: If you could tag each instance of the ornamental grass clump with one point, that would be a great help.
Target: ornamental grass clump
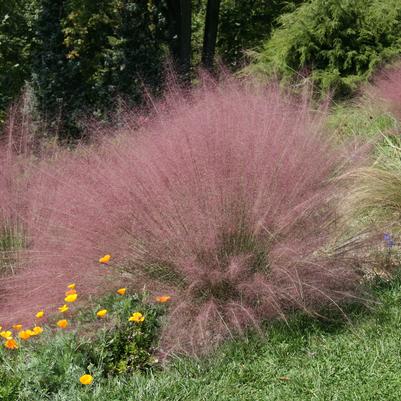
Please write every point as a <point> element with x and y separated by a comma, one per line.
<point>387,88</point>
<point>225,200</point>
<point>374,200</point>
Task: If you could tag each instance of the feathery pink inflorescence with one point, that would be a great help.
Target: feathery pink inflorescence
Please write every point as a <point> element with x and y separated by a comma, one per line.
<point>224,198</point>
<point>387,87</point>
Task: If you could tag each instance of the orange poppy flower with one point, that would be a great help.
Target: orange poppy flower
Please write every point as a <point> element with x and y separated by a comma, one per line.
<point>121,291</point>
<point>105,259</point>
<point>62,323</point>
<point>24,335</point>
<point>163,299</point>
<point>11,344</point>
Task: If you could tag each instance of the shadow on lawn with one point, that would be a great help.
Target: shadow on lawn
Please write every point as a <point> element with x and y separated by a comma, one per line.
<point>380,295</point>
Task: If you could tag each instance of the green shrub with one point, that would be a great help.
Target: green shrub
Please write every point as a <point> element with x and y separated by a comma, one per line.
<point>337,43</point>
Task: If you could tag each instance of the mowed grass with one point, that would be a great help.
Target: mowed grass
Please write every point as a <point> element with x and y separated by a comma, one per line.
<point>304,360</point>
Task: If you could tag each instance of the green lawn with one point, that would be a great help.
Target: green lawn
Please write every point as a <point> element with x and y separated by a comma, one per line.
<point>306,360</point>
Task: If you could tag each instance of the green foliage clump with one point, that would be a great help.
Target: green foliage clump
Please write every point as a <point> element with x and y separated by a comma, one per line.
<point>364,121</point>
<point>337,43</point>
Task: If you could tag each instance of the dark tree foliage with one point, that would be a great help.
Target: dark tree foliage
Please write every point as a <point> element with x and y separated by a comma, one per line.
<point>82,54</point>
<point>179,17</point>
<point>58,82</point>
<point>245,24</point>
<point>89,52</point>
<point>15,34</point>
<point>143,35</point>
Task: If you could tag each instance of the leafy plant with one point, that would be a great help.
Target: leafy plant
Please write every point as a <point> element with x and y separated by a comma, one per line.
<point>123,346</point>
<point>105,347</point>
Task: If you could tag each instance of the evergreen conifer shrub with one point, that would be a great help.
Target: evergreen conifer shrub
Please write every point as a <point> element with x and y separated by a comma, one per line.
<point>337,43</point>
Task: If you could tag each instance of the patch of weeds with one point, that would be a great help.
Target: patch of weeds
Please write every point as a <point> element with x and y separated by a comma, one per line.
<point>352,120</point>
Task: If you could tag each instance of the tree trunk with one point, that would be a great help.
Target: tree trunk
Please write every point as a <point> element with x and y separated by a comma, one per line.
<point>210,35</point>
<point>180,23</point>
<point>185,38</point>
<point>173,18</point>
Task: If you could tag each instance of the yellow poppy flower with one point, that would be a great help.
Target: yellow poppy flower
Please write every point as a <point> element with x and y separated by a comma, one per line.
<point>105,259</point>
<point>6,334</point>
<point>24,335</point>
<point>163,299</point>
<point>86,379</point>
<point>37,330</point>
<point>71,298</point>
<point>62,323</point>
<point>17,327</point>
<point>137,317</point>
<point>11,344</point>
<point>121,291</point>
<point>102,313</point>
<point>70,292</point>
<point>30,332</point>
<point>71,286</point>
<point>40,314</point>
<point>63,308</point>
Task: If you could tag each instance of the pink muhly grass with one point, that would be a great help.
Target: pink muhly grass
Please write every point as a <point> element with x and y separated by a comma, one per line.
<point>387,87</point>
<point>225,200</point>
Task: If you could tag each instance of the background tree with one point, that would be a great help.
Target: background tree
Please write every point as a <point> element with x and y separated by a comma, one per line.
<point>210,35</point>
<point>179,15</point>
<point>80,54</point>
<point>88,53</point>
<point>246,24</point>
<point>15,46</point>
<point>58,84</point>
